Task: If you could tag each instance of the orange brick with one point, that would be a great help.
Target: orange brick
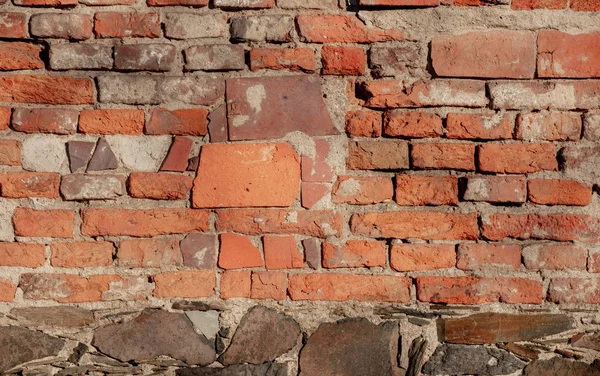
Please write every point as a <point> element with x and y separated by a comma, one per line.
<point>184,122</point>
<point>147,253</point>
<point>426,190</point>
<point>237,251</point>
<point>29,184</point>
<point>489,256</point>
<point>235,284</point>
<point>479,126</point>
<point>538,4</point>
<point>132,25</point>
<point>46,89</point>
<point>293,59</point>
<point>19,55</point>
<point>555,257</point>
<point>362,190</point>
<point>562,55</point>
<point>5,114</point>
<point>44,223</point>
<point>496,189</point>
<point>269,285</point>
<point>10,153</point>
<point>81,254</point>
<point>415,257</point>
<point>185,284</point>
<point>22,254</point>
<point>7,291</point>
<point>67,288</point>
<point>111,121</point>
<point>342,28</point>
<point>559,192</point>
<point>351,61</point>
<point>517,158</point>
<point>159,185</point>
<point>363,123</point>
<point>443,156</point>
<point>281,252</point>
<point>354,254</point>
<point>399,123</point>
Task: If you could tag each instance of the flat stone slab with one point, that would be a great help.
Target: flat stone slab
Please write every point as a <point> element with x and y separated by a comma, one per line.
<point>265,369</point>
<point>562,367</point>
<point>64,316</point>
<point>449,359</point>
<point>19,345</point>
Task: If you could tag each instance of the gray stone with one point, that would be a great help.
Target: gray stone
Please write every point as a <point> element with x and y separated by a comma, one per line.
<point>351,347</point>
<point>207,322</point>
<point>188,305</point>
<point>43,152</point>
<point>152,334</point>
<point>471,360</point>
<point>19,345</point>
<point>262,28</point>
<point>79,153</point>
<point>92,187</point>
<point>128,89</point>
<point>562,367</point>
<point>588,341</point>
<point>80,56</point>
<point>140,153</point>
<point>406,60</point>
<point>7,208</point>
<point>215,57</point>
<point>63,316</point>
<point>262,335</point>
<point>103,158</point>
<point>266,369</point>
<point>189,26</point>
<point>199,251</point>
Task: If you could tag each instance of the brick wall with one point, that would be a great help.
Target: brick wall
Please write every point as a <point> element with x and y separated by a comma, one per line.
<point>283,187</point>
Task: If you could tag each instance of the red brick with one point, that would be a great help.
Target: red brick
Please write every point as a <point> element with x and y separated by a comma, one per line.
<point>13,25</point>
<point>316,168</point>
<point>312,193</point>
<point>81,254</point>
<point>235,284</point>
<point>22,254</point>
<point>72,26</point>
<point>593,264</point>
<point>317,223</point>
<point>67,288</point>
<point>484,256</point>
<point>148,253</point>
<point>341,28</point>
<point>46,3</point>
<point>375,155</point>
<point>10,153</point>
<point>362,190</point>
<point>145,57</point>
<point>185,284</point>
<point>351,61</point>
<point>142,223</point>
<point>553,126</point>
<point>187,3</point>
<point>568,56</point>
<point>184,122</point>
<point>237,251</point>
<point>5,114</point>
<point>560,227</point>
<point>559,192</point>
<point>538,4</point>
<point>121,25</point>
<point>178,157</point>
<point>412,224</point>
<point>111,121</point>
<point>17,55</point>
<point>363,123</point>
<point>396,93</point>
<point>474,290</point>
<point>492,126</point>
<point>344,287</point>
<point>400,3</point>
<point>44,223</point>
<point>496,189</point>
<point>45,120</point>
<point>29,184</point>
<point>585,5</point>
<point>517,158</point>
<point>269,285</point>
<point>354,254</point>
<point>7,291</point>
<point>281,252</point>
<point>555,257</point>
<point>217,125</point>
<point>413,190</point>
<point>159,186</point>
<point>443,156</point>
<point>293,59</point>
<point>46,89</point>
<point>270,176</point>
<point>492,54</point>
<point>416,257</point>
<point>399,123</point>
<point>574,290</point>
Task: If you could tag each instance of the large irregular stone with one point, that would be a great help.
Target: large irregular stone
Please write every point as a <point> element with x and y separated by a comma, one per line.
<point>63,316</point>
<point>351,347</point>
<point>271,107</point>
<point>262,335</point>
<point>19,345</point>
<point>484,328</point>
<point>562,367</point>
<point>451,359</point>
<point>155,333</point>
<point>265,369</point>
<point>588,341</point>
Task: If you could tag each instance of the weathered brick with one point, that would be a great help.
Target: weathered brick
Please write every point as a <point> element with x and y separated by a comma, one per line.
<point>145,57</point>
<point>559,192</point>
<point>374,155</point>
<point>362,190</point>
<point>427,225</point>
<point>13,25</point>
<point>354,254</point>
<point>192,26</point>
<point>46,89</point>
<point>235,284</point>
<point>517,158</point>
<point>7,291</point>
<point>409,59</point>
<point>491,54</point>
<point>364,123</point>
<point>159,185</point>
<point>307,4</point>
<point>46,3</point>
<point>281,252</point>
<point>126,25</point>
<point>183,122</point>
<point>343,287</point>
<point>22,254</point>
<point>591,126</point>
<point>398,123</point>
<point>474,290</point>
<point>317,168</point>
<point>455,156</point>
<point>215,57</point>
<point>192,90</point>
<point>581,162</point>
<point>351,61</point>
<point>568,56</point>
<point>559,227</point>
<point>187,3</point>
<point>342,28</point>
<point>262,28</point>
<point>244,4</point>
<point>415,257</point>
<point>129,89</point>
<point>185,284</point>
<point>312,193</point>
<point>199,251</point>
<point>142,223</point>
<point>10,153</point>
<point>400,3</point>
<point>177,158</point>
<point>5,115</point>
<point>237,251</point>
<point>270,177</point>
<point>574,290</point>
<point>106,2</point>
<point>111,121</point>
<point>45,120</point>
<point>80,56</point>
<point>479,126</point>
<point>553,126</point>
<point>482,256</point>
<point>18,55</point>
<point>293,59</point>
<point>29,184</point>
<point>148,253</point>
<point>496,189</point>
<point>67,288</point>
<point>44,223</point>
<point>81,254</point>
<point>413,190</point>
<point>538,4</point>
<point>585,5</point>
<point>555,257</point>
<point>593,264</point>
<point>61,25</point>
<point>393,93</point>
<point>92,187</point>
<point>317,223</point>
<point>269,285</point>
